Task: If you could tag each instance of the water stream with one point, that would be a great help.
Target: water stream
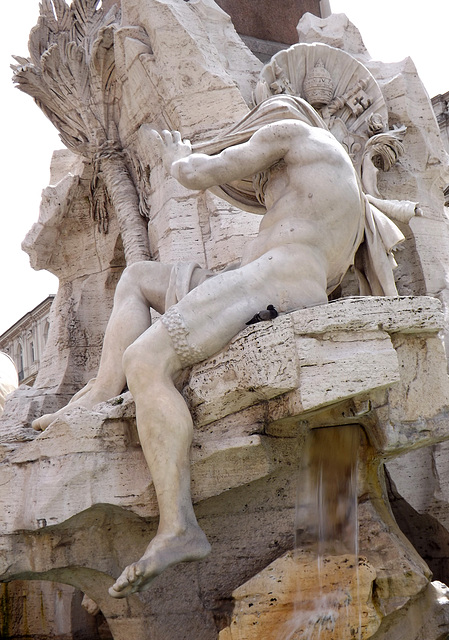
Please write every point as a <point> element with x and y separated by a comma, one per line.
<point>327,602</point>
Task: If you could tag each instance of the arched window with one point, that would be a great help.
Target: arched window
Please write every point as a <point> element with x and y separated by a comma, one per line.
<point>46,330</point>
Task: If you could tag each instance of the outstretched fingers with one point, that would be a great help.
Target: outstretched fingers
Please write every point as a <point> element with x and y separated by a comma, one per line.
<point>174,141</point>
<point>162,140</point>
<point>171,137</point>
<point>168,144</point>
<point>150,135</point>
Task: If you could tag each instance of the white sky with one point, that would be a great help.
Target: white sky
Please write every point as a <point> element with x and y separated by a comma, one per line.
<point>391,29</point>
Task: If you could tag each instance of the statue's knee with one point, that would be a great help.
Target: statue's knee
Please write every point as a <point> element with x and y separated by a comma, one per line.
<point>133,362</point>
<point>150,358</point>
<point>129,283</point>
<point>130,274</point>
<point>141,361</point>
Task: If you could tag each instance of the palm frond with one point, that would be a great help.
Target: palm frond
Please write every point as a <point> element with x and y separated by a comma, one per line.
<point>63,15</point>
<point>88,20</point>
<point>55,18</point>
<point>71,72</point>
<point>102,74</point>
<point>72,77</point>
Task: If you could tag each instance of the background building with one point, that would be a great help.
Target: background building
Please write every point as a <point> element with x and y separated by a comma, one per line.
<point>24,342</point>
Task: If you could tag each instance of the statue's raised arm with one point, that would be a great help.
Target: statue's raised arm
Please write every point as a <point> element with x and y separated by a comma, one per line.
<point>195,170</point>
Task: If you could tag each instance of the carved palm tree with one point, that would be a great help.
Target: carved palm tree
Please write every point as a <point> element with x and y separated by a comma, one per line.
<point>71,75</point>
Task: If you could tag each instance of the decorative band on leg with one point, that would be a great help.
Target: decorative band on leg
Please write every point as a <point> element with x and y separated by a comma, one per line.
<point>178,332</point>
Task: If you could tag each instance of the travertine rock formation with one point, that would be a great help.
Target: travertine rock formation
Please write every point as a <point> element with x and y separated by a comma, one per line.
<point>87,505</point>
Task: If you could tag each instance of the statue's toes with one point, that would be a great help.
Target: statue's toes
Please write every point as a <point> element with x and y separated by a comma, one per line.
<point>127,583</point>
<point>121,589</point>
<point>39,424</point>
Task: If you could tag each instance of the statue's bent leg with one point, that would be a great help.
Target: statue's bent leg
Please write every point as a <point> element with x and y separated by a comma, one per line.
<point>195,328</point>
<point>141,285</point>
<point>289,277</point>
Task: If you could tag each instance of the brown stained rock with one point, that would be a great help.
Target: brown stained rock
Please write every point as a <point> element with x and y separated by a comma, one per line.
<point>268,21</point>
<point>285,600</point>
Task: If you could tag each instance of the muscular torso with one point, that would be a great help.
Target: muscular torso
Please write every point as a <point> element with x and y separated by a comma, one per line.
<point>314,208</point>
<point>312,198</point>
<point>307,238</point>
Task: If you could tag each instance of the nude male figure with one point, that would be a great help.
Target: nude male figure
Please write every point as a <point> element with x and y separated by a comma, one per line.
<point>307,239</point>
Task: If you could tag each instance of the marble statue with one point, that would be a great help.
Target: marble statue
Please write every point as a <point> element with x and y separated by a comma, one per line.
<point>310,159</point>
<point>313,225</point>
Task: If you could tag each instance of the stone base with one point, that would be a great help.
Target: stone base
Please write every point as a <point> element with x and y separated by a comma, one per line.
<point>89,506</point>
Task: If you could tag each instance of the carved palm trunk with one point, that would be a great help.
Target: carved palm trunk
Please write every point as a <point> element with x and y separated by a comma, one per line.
<point>123,195</point>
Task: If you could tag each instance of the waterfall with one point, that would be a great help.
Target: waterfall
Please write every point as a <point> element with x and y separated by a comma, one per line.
<point>327,603</point>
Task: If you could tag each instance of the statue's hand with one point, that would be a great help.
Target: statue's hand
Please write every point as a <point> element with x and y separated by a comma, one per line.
<point>174,147</point>
<point>170,145</point>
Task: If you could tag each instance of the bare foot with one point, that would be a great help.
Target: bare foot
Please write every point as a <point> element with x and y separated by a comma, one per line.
<point>162,552</point>
<point>90,605</point>
<point>87,397</point>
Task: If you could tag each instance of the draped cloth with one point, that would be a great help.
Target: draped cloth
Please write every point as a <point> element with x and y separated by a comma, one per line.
<point>373,257</point>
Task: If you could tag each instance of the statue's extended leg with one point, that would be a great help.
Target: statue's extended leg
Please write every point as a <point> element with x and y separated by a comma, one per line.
<point>165,431</point>
<point>142,285</point>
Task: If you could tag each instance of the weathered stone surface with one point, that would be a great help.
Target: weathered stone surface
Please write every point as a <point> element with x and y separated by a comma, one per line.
<point>413,411</point>
<point>393,315</point>
<point>337,31</point>
<point>285,601</point>
<point>236,377</point>
<point>341,351</point>
<point>47,608</point>
<point>426,618</point>
<point>83,450</point>
<point>88,269</point>
<point>420,496</point>
<point>300,592</point>
<point>401,574</point>
<point>192,80</point>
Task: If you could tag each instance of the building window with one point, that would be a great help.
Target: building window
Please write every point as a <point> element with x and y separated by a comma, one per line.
<point>20,364</point>
<point>32,354</point>
<point>46,330</point>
